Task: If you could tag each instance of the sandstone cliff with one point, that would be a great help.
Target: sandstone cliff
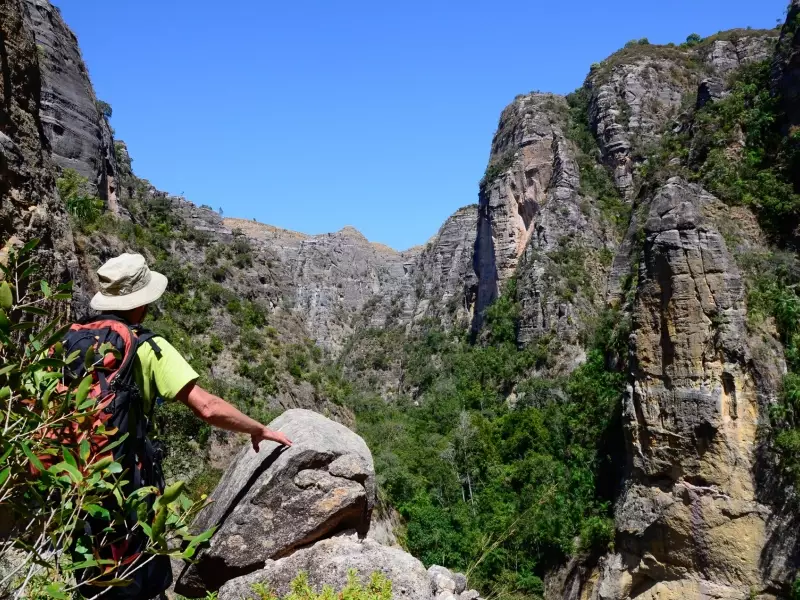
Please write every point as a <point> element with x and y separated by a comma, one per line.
<point>72,119</point>
<point>29,204</point>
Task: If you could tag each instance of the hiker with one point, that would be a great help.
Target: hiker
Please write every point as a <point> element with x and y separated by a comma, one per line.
<point>147,367</point>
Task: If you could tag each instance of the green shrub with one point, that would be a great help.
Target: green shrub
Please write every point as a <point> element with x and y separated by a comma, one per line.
<point>693,39</point>
<point>44,516</point>
<point>74,191</point>
<point>498,166</point>
<point>104,108</point>
<point>483,487</point>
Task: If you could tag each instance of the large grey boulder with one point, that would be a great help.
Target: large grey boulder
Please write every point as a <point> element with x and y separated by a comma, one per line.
<point>328,562</point>
<point>273,502</point>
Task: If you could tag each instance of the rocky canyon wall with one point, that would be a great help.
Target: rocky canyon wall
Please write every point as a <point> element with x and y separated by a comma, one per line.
<point>72,119</point>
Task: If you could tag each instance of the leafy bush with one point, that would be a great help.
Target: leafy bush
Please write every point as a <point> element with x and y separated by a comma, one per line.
<point>693,39</point>
<point>761,175</point>
<point>74,191</point>
<point>104,108</point>
<point>378,588</point>
<point>46,422</point>
<point>498,166</point>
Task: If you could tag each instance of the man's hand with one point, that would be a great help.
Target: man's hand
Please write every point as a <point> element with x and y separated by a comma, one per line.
<point>215,411</point>
<point>268,434</point>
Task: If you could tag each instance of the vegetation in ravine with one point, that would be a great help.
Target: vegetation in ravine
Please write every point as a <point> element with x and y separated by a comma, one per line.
<point>497,472</point>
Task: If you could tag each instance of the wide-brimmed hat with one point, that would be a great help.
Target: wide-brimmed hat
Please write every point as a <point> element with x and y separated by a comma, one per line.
<point>127,283</point>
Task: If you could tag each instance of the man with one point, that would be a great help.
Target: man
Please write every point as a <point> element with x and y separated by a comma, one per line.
<point>127,288</point>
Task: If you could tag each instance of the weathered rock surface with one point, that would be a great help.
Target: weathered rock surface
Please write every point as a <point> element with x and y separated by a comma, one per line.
<point>636,91</point>
<point>328,562</point>
<point>690,523</point>
<point>273,502</point>
<point>522,149</point>
<point>535,223</point>
<point>333,275</point>
<point>444,279</point>
<point>79,134</point>
<point>29,204</point>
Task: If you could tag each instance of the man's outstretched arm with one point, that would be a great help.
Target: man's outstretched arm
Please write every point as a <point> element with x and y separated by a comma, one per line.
<point>219,413</point>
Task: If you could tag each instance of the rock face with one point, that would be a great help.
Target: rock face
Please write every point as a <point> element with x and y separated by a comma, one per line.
<point>333,275</point>
<point>340,281</point>
<point>29,204</point>
<point>272,502</point>
<point>636,91</point>
<point>690,523</point>
<point>445,283</point>
<point>523,161</point>
<point>79,134</point>
<point>534,223</point>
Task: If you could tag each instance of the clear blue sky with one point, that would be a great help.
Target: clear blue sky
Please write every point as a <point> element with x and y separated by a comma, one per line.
<point>315,115</point>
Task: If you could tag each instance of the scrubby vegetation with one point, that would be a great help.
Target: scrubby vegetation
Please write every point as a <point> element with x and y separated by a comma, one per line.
<point>596,180</point>
<point>378,588</point>
<point>498,166</point>
<point>496,471</point>
<point>74,190</point>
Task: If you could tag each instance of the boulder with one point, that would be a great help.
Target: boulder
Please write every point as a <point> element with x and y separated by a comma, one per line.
<point>442,579</point>
<point>273,502</point>
<point>328,562</point>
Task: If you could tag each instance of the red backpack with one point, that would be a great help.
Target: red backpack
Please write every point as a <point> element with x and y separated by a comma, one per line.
<point>122,411</point>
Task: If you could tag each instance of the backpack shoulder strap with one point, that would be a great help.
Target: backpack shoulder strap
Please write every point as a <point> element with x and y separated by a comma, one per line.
<point>145,336</point>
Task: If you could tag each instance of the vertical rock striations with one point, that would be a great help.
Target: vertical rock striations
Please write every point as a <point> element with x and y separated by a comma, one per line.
<point>445,283</point>
<point>534,223</point>
<point>638,90</point>
<point>689,522</point>
<point>29,204</point>
<point>78,132</point>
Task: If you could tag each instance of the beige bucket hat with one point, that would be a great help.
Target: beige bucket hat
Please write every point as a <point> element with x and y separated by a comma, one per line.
<point>127,283</point>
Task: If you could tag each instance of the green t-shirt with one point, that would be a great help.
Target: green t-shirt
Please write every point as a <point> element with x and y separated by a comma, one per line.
<point>163,376</point>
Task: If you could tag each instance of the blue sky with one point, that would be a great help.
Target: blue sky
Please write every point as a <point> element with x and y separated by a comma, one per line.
<point>316,115</point>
